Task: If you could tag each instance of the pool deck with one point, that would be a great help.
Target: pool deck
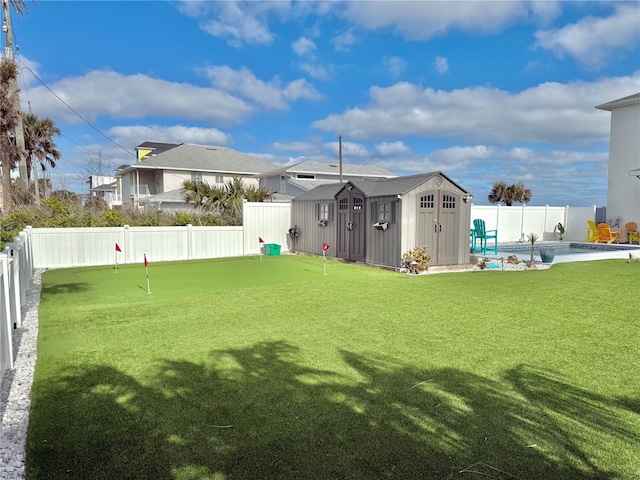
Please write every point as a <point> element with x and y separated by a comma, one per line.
<point>592,251</point>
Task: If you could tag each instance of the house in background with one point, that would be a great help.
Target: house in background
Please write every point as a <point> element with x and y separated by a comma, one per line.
<point>289,182</point>
<point>102,186</point>
<point>623,188</point>
<point>376,221</point>
<point>155,180</point>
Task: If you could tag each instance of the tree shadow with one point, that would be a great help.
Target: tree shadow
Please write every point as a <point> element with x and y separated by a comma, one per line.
<point>72,287</point>
<point>261,413</point>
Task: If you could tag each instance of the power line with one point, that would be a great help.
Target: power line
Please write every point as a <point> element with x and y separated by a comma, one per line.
<point>78,114</point>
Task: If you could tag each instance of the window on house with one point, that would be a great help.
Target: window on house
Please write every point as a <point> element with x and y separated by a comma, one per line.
<point>196,177</point>
<point>306,176</point>
<point>219,179</point>
<point>283,184</point>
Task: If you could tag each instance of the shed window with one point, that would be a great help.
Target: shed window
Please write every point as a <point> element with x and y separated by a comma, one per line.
<point>343,204</point>
<point>385,211</point>
<point>448,201</point>
<point>427,201</point>
<point>324,211</point>
<point>196,177</point>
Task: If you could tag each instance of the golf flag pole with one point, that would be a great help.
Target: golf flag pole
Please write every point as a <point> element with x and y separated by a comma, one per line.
<point>260,242</point>
<point>146,269</point>
<point>325,247</point>
<point>118,250</point>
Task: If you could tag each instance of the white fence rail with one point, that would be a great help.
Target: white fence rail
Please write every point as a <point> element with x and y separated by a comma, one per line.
<point>76,247</point>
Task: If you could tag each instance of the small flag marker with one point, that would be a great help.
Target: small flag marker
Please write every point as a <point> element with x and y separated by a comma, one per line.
<point>325,247</point>
<point>118,250</point>
<point>146,268</point>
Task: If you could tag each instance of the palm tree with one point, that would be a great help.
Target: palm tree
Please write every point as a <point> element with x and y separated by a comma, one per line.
<point>204,196</point>
<point>8,122</point>
<point>255,194</point>
<point>39,145</point>
<point>17,131</point>
<point>508,194</point>
<point>235,194</point>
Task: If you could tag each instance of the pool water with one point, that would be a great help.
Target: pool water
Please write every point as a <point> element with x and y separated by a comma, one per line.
<point>569,251</point>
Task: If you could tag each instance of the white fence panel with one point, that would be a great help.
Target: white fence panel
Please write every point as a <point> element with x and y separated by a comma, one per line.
<point>217,242</point>
<point>515,223</point>
<point>6,340</point>
<point>576,223</point>
<point>269,221</point>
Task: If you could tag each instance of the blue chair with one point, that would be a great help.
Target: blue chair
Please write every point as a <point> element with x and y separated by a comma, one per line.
<point>482,234</point>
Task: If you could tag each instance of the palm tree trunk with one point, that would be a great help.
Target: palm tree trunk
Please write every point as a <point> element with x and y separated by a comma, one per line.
<point>37,185</point>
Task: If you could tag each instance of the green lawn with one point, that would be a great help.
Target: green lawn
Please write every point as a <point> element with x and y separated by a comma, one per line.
<point>249,369</point>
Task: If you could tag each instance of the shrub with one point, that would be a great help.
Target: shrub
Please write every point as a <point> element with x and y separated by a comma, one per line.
<point>416,260</point>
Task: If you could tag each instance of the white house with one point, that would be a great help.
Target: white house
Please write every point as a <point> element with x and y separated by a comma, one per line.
<point>623,189</point>
<point>155,180</point>
<point>289,182</point>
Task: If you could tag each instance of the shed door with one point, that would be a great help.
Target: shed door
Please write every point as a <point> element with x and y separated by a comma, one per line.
<point>437,225</point>
<point>351,227</point>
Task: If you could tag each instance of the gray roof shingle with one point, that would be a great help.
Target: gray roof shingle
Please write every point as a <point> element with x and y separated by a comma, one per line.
<point>332,168</point>
<point>206,159</point>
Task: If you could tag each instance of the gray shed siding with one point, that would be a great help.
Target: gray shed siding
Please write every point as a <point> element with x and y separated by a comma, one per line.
<point>383,246</point>
<point>304,215</point>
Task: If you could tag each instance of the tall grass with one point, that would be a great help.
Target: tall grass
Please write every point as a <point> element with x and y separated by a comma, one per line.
<point>249,369</point>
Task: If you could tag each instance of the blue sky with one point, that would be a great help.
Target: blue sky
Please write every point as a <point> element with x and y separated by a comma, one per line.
<point>484,91</point>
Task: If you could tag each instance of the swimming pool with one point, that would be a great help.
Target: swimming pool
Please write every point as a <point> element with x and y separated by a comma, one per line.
<point>569,251</point>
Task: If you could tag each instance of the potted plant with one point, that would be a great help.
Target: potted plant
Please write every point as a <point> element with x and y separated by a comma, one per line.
<point>532,239</point>
<point>561,230</point>
<point>547,254</point>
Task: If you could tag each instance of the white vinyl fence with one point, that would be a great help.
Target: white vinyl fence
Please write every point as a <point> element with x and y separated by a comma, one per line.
<point>77,247</point>
<point>515,223</point>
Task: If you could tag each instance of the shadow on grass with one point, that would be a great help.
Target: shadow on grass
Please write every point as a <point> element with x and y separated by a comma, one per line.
<point>74,287</point>
<point>258,413</point>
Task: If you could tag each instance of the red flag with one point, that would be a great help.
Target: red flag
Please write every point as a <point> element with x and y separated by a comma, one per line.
<point>325,246</point>
<point>260,240</point>
<point>118,248</point>
<point>146,262</point>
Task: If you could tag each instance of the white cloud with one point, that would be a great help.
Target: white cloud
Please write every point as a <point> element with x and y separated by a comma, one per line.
<point>106,93</point>
<point>386,149</point>
<point>269,95</point>
<point>395,65</point>
<point>238,22</point>
<point>303,46</point>
<point>441,65</point>
<point>349,149</point>
<point>317,72</point>
<point>135,135</point>
<point>592,40</point>
<point>423,20</point>
<point>550,112</point>
<point>344,41</point>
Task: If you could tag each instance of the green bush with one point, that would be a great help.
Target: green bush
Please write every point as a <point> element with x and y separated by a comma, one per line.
<point>416,260</point>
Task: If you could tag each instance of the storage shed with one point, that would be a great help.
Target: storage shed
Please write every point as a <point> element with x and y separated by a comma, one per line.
<point>375,222</point>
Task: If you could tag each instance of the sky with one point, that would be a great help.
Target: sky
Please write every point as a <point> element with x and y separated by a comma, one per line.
<point>482,91</point>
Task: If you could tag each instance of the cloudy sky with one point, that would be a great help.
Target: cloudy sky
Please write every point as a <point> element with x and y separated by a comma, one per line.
<point>484,91</point>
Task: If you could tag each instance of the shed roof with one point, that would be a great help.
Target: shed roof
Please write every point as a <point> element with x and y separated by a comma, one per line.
<point>376,188</point>
<point>621,102</point>
<point>206,159</point>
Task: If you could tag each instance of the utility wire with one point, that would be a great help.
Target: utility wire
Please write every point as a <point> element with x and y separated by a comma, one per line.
<point>78,114</point>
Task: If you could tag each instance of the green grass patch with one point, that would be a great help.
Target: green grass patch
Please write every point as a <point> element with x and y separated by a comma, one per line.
<point>249,369</point>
